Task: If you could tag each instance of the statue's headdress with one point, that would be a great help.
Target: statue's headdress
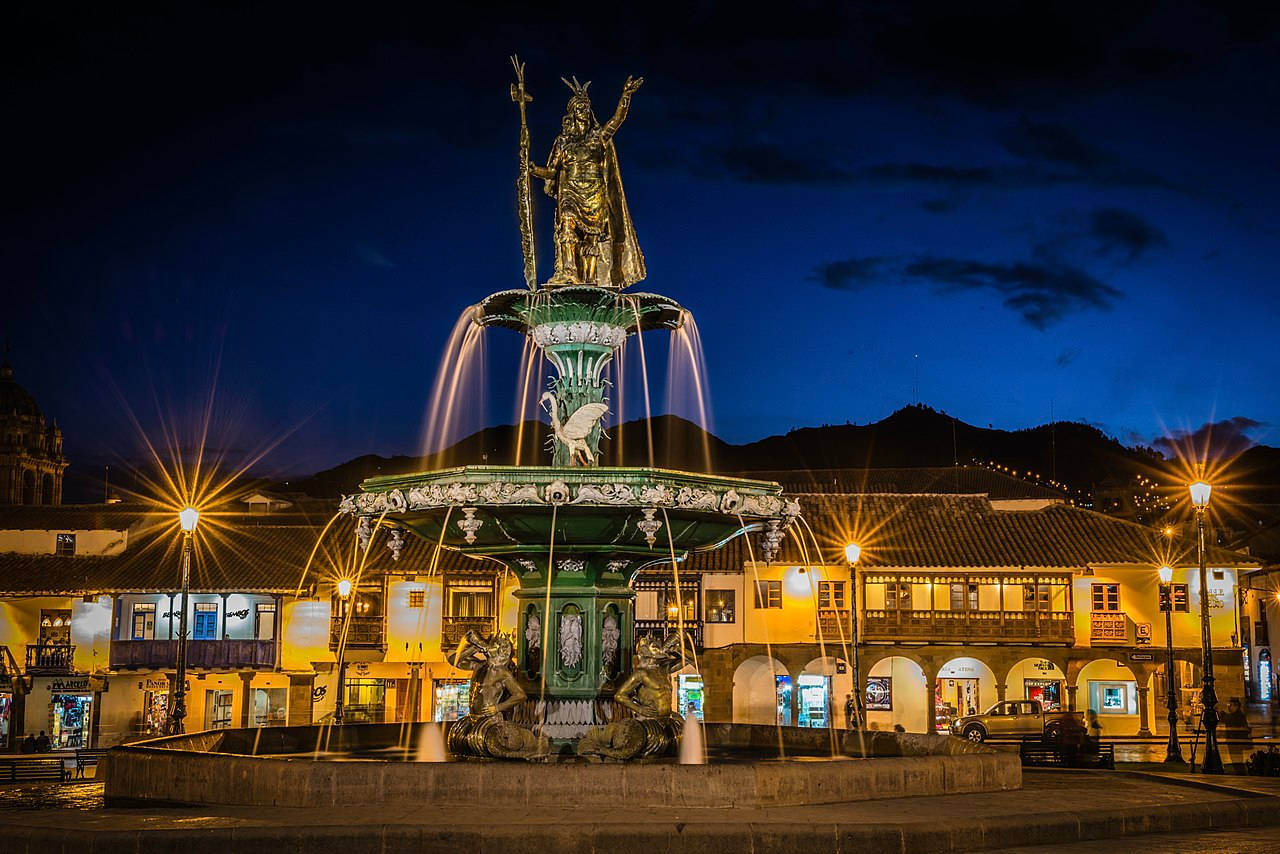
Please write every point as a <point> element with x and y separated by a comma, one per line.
<point>579,96</point>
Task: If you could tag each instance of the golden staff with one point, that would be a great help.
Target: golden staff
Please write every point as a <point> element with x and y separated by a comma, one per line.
<point>524,198</point>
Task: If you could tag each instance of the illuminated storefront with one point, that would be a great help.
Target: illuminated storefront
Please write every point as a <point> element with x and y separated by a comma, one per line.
<point>453,699</point>
<point>690,695</point>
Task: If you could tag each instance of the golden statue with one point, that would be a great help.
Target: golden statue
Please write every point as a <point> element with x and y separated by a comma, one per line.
<point>595,240</point>
<point>654,729</point>
<point>494,691</point>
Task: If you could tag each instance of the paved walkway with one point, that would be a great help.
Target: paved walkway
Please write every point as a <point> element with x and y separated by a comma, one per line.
<point>1055,808</point>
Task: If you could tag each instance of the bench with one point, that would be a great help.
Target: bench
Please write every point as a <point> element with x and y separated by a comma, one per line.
<point>26,769</point>
<point>1065,754</point>
<point>86,758</point>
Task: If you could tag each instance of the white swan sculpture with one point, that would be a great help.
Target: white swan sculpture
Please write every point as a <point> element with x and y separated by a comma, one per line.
<point>575,429</point>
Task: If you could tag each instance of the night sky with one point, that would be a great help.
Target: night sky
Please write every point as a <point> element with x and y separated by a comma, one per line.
<point>1036,208</point>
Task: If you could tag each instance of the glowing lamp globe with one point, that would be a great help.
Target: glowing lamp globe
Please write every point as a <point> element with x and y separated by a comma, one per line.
<point>1200,493</point>
<point>852,552</point>
<point>344,588</point>
<point>188,519</point>
<point>1166,575</point>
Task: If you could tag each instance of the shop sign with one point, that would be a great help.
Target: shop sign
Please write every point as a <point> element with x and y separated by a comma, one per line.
<point>159,683</point>
<point>879,697</point>
<point>1044,666</point>
<point>361,668</point>
<point>841,667</point>
<point>70,685</point>
<point>1142,656</point>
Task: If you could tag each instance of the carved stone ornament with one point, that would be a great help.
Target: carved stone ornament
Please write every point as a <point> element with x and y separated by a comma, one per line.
<point>571,640</point>
<point>617,566</point>
<point>364,532</point>
<point>604,493</point>
<point>469,524</point>
<point>649,526</point>
<point>610,635</point>
<point>579,332</point>
<point>533,632</point>
<point>771,540</point>
<point>396,543</point>
<point>573,565</point>
<point>557,492</point>
<point>527,563</point>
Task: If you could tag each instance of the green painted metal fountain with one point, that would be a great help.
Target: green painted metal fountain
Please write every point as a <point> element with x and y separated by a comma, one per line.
<point>575,534</point>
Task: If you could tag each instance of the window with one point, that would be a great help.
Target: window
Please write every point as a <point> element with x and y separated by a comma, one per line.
<point>206,627</point>
<point>720,606</point>
<point>469,598</point>
<point>65,545</point>
<point>217,709</point>
<point>269,706</point>
<point>1035,597</point>
<point>417,598</point>
<point>1181,601</point>
<point>264,626</point>
<point>144,621</point>
<point>667,605</point>
<point>1113,698</point>
<point>831,594</point>
<point>1106,597</point>
<point>897,596</point>
<point>768,594</point>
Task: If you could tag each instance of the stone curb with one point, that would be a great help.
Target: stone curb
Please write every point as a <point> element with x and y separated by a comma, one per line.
<point>658,836</point>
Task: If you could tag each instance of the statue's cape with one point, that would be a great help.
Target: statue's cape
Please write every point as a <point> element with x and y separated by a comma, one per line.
<point>627,262</point>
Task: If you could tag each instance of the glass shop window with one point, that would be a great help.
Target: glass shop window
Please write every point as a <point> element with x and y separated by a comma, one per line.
<point>720,606</point>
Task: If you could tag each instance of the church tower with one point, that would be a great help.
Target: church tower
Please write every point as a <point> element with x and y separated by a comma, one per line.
<point>31,460</point>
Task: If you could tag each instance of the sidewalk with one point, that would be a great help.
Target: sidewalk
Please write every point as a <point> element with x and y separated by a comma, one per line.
<point>1054,808</point>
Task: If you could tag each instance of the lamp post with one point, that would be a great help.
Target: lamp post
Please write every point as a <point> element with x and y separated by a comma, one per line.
<point>1212,760</point>
<point>344,596</point>
<point>852,552</point>
<point>188,519</point>
<point>1174,751</point>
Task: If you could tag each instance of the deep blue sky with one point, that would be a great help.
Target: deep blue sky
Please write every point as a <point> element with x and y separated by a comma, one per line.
<point>1040,207</point>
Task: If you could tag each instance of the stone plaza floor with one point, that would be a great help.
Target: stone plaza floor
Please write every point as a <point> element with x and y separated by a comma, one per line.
<point>1055,811</point>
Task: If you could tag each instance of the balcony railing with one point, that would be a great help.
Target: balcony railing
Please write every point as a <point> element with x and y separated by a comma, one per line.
<point>834,624</point>
<point>453,628</point>
<point>50,658</point>
<point>962,626</point>
<point>1108,627</point>
<point>664,627</point>
<point>363,633</point>
<point>201,654</point>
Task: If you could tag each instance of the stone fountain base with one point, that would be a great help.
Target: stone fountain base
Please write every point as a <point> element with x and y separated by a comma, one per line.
<point>214,768</point>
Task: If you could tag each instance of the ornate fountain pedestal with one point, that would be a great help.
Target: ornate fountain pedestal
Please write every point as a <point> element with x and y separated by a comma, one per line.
<point>575,538</point>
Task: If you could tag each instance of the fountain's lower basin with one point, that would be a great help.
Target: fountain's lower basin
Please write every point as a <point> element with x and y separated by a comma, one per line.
<point>216,767</point>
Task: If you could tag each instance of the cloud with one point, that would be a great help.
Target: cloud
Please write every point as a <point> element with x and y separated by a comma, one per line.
<point>847,275</point>
<point>1057,146</point>
<point>1213,439</point>
<point>1043,293</point>
<point>1067,356</point>
<point>1117,230</point>
<point>769,163</point>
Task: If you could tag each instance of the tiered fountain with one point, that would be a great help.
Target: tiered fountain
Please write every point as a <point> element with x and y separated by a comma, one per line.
<point>575,533</point>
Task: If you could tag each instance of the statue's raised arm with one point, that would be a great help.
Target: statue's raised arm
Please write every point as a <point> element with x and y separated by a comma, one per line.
<point>624,103</point>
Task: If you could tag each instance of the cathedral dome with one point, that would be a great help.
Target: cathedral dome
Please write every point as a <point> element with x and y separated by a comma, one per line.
<point>14,399</point>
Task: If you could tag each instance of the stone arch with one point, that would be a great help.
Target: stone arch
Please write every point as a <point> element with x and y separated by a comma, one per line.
<point>755,691</point>
<point>28,486</point>
<point>910,697</point>
<point>46,489</point>
<point>838,678</point>
<point>966,685</point>
<point>1109,689</point>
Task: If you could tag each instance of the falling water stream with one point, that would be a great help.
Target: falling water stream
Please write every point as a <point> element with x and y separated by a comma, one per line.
<point>459,386</point>
<point>768,644</point>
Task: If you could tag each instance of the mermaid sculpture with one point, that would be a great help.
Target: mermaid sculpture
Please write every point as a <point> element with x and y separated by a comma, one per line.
<point>494,691</point>
<point>654,729</point>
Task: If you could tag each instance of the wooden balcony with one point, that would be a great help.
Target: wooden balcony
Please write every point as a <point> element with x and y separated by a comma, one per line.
<point>50,659</point>
<point>834,625</point>
<point>1109,627</point>
<point>1056,627</point>
<point>452,629</point>
<point>363,633</point>
<point>201,654</point>
<point>662,628</point>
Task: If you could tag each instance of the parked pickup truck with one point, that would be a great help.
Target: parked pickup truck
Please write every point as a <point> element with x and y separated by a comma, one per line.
<point>1015,719</point>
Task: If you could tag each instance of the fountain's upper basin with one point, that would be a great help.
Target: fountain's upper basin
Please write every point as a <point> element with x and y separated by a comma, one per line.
<point>632,512</point>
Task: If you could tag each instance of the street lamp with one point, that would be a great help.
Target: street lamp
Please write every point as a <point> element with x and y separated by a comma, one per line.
<point>1212,760</point>
<point>852,552</point>
<point>344,594</point>
<point>187,519</point>
<point>1174,752</point>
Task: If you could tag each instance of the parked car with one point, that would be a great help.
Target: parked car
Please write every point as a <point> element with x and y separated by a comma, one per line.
<point>1017,719</point>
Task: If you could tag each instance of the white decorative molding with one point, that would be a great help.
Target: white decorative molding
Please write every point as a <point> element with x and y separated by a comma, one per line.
<point>578,332</point>
<point>610,636</point>
<point>364,532</point>
<point>533,632</point>
<point>570,639</point>
<point>557,492</point>
<point>649,526</point>
<point>573,565</point>
<point>469,524</point>
<point>396,543</point>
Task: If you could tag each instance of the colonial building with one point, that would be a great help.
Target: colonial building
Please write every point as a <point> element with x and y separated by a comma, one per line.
<point>957,601</point>
<point>31,460</point>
